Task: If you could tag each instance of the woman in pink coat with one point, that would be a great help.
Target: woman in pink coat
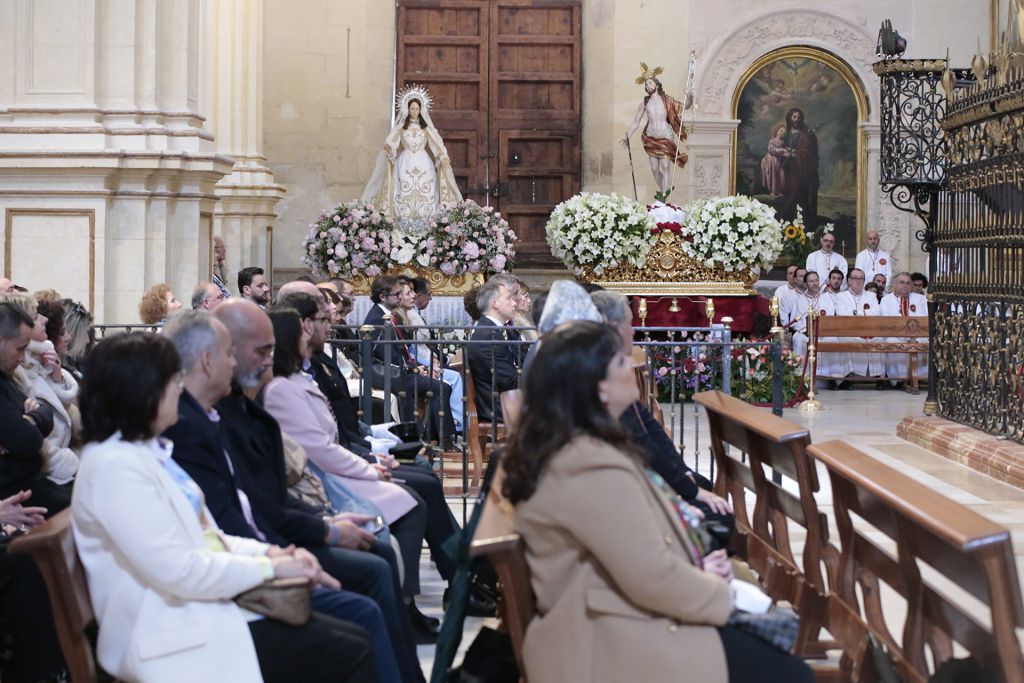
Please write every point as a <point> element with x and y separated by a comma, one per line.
<point>303,412</point>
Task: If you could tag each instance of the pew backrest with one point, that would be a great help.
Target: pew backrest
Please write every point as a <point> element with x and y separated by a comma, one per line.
<point>52,547</point>
<point>964,547</point>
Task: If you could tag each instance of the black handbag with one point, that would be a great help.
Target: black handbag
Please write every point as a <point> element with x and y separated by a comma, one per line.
<point>378,373</point>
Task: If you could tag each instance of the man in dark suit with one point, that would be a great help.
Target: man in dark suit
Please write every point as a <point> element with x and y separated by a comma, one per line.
<point>496,366</point>
<point>244,506</point>
<point>24,422</point>
<point>415,378</point>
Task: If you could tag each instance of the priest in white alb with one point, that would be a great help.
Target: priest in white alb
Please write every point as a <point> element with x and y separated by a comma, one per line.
<point>873,260</point>
<point>800,305</point>
<point>784,292</point>
<point>825,259</point>
<point>902,301</point>
<point>832,365</point>
<point>858,302</point>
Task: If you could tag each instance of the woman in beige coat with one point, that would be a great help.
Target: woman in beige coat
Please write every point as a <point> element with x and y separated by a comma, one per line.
<point>623,594</point>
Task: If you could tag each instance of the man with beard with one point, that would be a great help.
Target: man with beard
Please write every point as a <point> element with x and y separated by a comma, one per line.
<point>801,170</point>
<point>252,285</point>
<point>664,124</point>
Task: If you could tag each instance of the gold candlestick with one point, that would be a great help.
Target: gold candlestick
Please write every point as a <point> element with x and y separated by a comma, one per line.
<point>641,311</point>
<point>674,306</point>
<point>709,310</point>
<point>811,404</point>
<point>773,308</point>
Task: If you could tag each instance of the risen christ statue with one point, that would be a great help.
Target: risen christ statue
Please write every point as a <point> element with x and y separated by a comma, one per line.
<point>664,123</point>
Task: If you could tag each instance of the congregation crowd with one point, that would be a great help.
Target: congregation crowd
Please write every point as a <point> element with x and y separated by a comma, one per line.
<point>227,448</point>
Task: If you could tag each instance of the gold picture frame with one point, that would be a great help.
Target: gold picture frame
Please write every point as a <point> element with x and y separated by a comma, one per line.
<point>860,98</point>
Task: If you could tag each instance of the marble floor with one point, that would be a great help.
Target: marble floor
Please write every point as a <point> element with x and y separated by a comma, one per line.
<point>864,418</point>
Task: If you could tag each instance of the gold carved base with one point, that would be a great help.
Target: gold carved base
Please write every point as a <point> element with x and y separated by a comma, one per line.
<point>668,271</point>
<point>440,284</point>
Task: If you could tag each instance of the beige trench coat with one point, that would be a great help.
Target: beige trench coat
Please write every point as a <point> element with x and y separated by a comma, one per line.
<point>618,597</point>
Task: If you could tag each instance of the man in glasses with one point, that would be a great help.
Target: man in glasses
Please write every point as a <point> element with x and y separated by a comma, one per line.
<point>415,378</point>
<point>207,296</point>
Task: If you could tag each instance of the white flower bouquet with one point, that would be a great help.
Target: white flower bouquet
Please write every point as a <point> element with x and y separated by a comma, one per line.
<point>600,231</point>
<point>733,233</point>
<point>353,238</point>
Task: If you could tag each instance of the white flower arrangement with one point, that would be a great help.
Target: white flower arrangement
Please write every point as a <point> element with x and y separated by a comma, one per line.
<point>734,233</point>
<point>600,231</point>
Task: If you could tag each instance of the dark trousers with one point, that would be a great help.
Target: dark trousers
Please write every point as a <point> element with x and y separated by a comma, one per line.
<point>409,531</point>
<point>323,649</point>
<point>53,497</point>
<point>439,413</point>
<point>363,612</point>
<point>752,660</point>
<point>441,524</point>
<point>374,573</point>
<point>25,607</point>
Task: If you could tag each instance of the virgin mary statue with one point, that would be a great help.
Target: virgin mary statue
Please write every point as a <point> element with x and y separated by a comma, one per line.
<point>413,175</point>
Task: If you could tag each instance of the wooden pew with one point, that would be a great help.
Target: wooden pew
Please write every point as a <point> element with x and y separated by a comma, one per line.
<point>763,538</point>
<point>476,432</point>
<point>969,550</point>
<point>854,329</point>
<point>53,549</point>
<point>496,539</point>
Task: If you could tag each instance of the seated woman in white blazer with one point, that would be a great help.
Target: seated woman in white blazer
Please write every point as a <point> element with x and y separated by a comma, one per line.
<point>161,574</point>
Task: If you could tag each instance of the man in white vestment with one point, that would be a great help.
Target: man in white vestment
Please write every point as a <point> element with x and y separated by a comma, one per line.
<point>810,299</point>
<point>856,301</point>
<point>825,259</point>
<point>905,303</point>
<point>873,260</point>
<point>783,292</point>
<point>832,364</point>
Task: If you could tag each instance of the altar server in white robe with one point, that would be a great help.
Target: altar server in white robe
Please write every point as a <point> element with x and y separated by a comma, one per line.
<point>873,260</point>
<point>905,303</point>
<point>796,318</point>
<point>832,364</point>
<point>784,292</point>
<point>825,259</point>
<point>859,302</point>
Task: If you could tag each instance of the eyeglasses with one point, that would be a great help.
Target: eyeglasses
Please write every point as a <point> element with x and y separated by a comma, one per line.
<point>394,294</point>
<point>323,319</point>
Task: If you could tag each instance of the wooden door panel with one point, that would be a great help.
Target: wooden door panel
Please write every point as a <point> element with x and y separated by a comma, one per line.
<point>535,113</point>
<point>506,82</point>
<point>443,45</point>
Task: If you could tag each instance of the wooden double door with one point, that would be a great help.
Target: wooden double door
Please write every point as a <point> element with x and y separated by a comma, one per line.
<point>505,80</point>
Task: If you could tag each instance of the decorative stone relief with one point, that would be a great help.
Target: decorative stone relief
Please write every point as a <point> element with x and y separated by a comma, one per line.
<point>708,178</point>
<point>893,232</point>
<point>726,62</point>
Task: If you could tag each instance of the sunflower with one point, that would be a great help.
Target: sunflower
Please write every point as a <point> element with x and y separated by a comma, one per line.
<point>791,232</point>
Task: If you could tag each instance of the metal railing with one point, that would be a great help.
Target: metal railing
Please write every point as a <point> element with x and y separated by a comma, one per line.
<point>672,364</point>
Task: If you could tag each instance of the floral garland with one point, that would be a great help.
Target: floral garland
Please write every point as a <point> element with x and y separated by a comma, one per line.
<point>356,239</point>
<point>734,233</point>
<point>600,231</point>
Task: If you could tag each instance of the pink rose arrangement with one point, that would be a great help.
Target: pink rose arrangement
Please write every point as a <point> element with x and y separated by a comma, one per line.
<point>467,237</point>
<point>349,239</point>
<point>356,238</point>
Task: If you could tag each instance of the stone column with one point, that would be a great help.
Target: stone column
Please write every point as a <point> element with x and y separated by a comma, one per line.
<point>106,169</point>
<point>245,214</point>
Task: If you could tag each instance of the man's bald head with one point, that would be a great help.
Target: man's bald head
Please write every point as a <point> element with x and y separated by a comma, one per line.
<point>299,286</point>
<point>253,336</point>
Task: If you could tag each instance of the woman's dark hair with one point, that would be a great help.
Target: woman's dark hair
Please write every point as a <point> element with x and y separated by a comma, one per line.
<point>561,402</point>
<point>469,303</point>
<point>54,314</point>
<point>125,379</point>
<point>537,308</point>
<point>287,341</point>
<point>423,121</point>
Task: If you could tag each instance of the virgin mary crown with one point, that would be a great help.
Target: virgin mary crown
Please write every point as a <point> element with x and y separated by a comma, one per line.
<point>409,93</point>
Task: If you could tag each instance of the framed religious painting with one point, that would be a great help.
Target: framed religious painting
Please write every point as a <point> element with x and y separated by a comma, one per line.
<point>799,145</point>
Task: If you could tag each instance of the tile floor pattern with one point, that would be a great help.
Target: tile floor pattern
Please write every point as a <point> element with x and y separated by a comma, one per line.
<point>866,419</point>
